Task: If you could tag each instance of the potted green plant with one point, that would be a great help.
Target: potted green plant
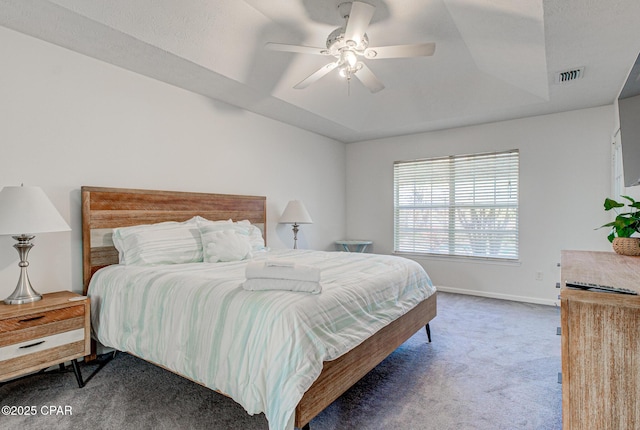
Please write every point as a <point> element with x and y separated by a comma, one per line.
<point>624,226</point>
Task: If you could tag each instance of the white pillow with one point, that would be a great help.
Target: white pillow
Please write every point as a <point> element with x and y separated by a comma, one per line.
<point>204,222</point>
<point>245,227</point>
<point>255,235</point>
<point>163,243</point>
<point>226,245</point>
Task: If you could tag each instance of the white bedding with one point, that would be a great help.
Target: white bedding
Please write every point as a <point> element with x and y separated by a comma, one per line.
<point>262,348</point>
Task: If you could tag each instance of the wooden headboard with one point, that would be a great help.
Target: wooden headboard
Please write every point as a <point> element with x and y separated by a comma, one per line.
<point>104,209</point>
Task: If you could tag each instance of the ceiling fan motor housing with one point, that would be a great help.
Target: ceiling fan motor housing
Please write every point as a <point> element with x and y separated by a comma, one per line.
<point>336,42</point>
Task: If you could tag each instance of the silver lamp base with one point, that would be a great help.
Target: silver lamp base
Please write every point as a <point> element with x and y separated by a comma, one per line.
<point>295,236</point>
<point>24,292</point>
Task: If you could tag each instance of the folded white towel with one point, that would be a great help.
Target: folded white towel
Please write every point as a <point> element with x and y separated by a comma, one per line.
<point>263,284</point>
<point>273,269</point>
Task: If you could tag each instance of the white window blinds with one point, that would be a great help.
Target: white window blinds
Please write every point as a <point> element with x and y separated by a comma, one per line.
<point>459,205</point>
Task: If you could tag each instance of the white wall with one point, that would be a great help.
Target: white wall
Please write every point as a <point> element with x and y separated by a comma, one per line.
<point>564,177</point>
<point>67,120</point>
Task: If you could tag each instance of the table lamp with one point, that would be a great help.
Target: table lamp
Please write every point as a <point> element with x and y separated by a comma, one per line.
<point>25,211</point>
<point>295,213</point>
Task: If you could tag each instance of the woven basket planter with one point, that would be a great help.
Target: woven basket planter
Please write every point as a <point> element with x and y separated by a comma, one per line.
<point>627,245</point>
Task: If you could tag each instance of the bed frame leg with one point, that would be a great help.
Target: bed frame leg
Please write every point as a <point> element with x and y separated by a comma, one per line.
<point>428,332</point>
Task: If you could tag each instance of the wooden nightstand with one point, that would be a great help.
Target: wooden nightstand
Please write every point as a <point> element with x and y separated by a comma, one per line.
<point>34,336</point>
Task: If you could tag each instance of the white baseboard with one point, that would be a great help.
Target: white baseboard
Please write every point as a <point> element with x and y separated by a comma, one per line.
<point>497,296</point>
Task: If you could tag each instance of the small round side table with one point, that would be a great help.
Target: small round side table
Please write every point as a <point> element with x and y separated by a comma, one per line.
<point>360,245</point>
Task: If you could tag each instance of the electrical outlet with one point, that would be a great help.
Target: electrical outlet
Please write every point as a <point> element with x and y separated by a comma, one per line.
<point>538,276</point>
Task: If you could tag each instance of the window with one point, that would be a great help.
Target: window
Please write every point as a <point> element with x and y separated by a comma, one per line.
<point>459,205</point>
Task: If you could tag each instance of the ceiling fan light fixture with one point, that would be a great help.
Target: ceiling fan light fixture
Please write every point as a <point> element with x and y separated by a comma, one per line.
<point>347,71</point>
<point>347,56</point>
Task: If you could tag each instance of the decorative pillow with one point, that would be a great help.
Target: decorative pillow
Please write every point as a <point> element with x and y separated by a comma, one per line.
<point>255,235</point>
<point>204,222</point>
<point>226,245</point>
<point>162,243</point>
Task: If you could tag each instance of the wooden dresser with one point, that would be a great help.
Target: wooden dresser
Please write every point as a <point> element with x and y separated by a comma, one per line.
<point>600,343</point>
<point>37,335</point>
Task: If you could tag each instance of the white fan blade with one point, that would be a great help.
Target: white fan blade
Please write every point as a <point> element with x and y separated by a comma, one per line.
<point>400,51</point>
<point>368,79</point>
<point>296,48</point>
<point>316,75</point>
<point>359,19</point>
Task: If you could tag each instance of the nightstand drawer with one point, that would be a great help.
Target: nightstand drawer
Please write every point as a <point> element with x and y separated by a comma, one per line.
<point>40,318</point>
<point>41,344</point>
<point>41,324</point>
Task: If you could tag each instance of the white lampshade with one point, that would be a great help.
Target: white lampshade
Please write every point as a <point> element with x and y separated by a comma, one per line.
<point>295,213</point>
<point>28,210</point>
<point>25,211</point>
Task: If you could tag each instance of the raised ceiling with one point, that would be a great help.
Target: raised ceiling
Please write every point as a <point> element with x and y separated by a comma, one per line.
<point>494,60</point>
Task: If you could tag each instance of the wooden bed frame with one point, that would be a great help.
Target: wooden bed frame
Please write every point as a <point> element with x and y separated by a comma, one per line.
<point>106,208</point>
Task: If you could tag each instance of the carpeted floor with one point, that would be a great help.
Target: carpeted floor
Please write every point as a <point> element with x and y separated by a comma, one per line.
<point>492,365</point>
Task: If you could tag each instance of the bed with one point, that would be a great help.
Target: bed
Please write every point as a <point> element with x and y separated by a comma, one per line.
<point>104,209</point>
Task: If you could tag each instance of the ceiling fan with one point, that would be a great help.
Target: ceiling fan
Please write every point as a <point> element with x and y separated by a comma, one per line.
<point>349,44</point>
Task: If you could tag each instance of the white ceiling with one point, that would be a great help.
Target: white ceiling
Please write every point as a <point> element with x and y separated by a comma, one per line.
<point>494,59</point>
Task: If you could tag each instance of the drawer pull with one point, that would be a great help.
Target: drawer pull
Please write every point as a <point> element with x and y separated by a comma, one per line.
<point>33,344</point>
<point>31,319</point>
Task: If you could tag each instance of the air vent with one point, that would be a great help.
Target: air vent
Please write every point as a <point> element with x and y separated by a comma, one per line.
<point>569,75</point>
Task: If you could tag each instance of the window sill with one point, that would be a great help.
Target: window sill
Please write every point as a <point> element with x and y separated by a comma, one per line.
<point>459,259</point>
